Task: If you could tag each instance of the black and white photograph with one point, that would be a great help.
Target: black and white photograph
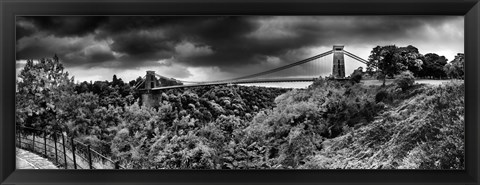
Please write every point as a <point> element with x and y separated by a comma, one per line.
<point>240,92</point>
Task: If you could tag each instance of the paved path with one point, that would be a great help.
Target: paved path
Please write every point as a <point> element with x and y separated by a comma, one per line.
<point>29,160</point>
<point>420,81</point>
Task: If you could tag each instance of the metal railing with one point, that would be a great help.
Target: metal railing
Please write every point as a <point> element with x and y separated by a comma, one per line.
<point>62,150</point>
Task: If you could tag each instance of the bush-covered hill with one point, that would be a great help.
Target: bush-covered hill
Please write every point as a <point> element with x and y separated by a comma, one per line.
<point>339,125</point>
<point>423,128</point>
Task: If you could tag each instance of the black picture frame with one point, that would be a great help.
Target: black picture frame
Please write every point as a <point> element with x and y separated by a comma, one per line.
<point>10,8</point>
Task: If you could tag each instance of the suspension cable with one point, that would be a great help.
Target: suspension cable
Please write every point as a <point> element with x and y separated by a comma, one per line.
<point>264,72</point>
<point>140,83</point>
<point>351,55</point>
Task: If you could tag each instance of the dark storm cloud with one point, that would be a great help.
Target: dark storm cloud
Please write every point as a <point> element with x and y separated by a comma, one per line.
<point>33,52</point>
<point>125,24</point>
<point>209,41</point>
<point>100,56</point>
<point>225,35</point>
<point>139,44</point>
<point>65,26</point>
<point>23,31</point>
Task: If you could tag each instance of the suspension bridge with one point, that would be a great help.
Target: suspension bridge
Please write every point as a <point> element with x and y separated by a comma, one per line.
<point>306,70</point>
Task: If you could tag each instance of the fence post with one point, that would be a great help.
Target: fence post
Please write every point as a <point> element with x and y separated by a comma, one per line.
<point>55,141</point>
<point>33,140</point>
<point>64,152</point>
<point>45,142</point>
<point>73,153</point>
<point>117,164</point>
<point>89,156</point>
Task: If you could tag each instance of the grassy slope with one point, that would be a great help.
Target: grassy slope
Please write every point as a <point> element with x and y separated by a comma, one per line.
<point>422,129</point>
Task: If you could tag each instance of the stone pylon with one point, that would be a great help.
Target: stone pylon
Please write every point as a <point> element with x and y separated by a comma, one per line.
<point>338,62</point>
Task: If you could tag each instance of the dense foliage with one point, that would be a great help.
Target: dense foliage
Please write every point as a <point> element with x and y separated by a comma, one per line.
<point>357,75</point>
<point>456,68</point>
<point>388,61</point>
<point>43,90</point>
<point>392,60</point>
<point>432,66</point>
<point>424,131</point>
<point>405,80</point>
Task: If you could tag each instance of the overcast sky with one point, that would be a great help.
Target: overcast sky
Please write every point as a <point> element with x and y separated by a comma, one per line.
<point>214,48</point>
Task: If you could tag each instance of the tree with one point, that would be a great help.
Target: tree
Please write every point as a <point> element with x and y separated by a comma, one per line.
<point>455,69</point>
<point>411,58</point>
<point>433,65</point>
<point>391,60</point>
<point>357,74</point>
<point>117,82</point>
<point>405,80</point>
<point>386,59</point>
<point>42,86</point>
<point>83,87</point>
<point>137,81</point>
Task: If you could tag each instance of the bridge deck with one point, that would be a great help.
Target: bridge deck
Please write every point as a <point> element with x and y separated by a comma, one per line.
<point>246,81</point>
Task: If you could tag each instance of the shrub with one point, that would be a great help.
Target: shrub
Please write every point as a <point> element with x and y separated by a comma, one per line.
<point>380,96</point>
<point>405,80</point>
<point>356,76</point>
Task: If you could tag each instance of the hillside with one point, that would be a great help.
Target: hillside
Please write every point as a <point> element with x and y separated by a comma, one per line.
<point>423,131</point>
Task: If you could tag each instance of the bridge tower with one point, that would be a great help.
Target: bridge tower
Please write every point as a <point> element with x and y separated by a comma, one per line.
<point>338,62</point>
<point>150,98</point>
<point>150,81</point>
